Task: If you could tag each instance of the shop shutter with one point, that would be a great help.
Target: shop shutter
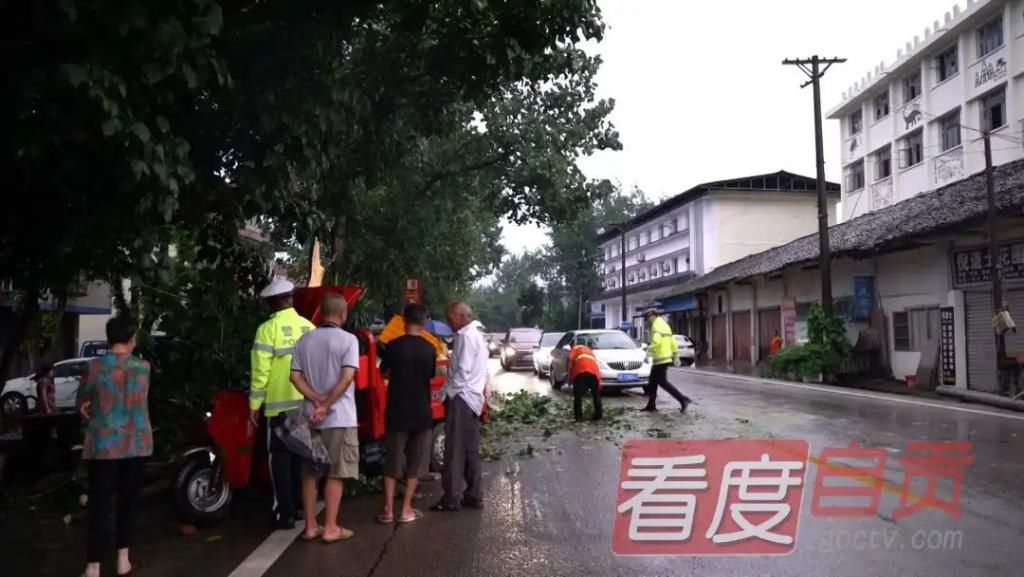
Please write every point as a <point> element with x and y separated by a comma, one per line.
<point>981,344</point>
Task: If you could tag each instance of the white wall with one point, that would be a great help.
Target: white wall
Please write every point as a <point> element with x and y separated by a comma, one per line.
<point>747,224</point>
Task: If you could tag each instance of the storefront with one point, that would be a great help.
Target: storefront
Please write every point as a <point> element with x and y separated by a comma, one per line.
<point>972,274</point>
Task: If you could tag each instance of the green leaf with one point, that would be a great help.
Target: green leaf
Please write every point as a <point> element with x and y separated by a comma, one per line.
<point>190,75</point>
<point>76,74</point>
<point>162,123</point>
<point>141,131</point>
<point>110,126</point>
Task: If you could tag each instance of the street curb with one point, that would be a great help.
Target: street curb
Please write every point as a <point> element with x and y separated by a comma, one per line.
<point>878,395</point>
<point>985,398</point>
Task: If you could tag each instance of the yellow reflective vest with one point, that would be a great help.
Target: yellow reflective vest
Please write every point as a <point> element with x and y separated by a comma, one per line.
<point>663,346</point>
<point>271,386</point>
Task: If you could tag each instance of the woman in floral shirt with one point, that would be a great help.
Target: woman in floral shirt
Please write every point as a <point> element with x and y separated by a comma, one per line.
<point>118,439</point>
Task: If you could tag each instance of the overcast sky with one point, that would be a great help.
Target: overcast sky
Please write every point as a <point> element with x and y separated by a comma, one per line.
<point>700,93</point>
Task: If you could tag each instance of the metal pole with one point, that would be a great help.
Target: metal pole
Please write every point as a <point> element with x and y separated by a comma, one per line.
<point>623,257</point>
<point>823,247</point>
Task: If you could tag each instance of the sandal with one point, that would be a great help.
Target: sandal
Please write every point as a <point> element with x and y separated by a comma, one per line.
<point>442,506</point>
<point>385,518</point>
<point>316,535</point>
<point>343,535</point>
<point>416,514</point>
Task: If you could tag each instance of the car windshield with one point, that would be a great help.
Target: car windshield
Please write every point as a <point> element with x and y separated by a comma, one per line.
<point>524,336</point>
<point>550,339</point>
<point>613,340</point>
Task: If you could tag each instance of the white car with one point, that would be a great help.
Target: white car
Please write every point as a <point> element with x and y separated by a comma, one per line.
<point>542,353</point>
<point>19,395</point>
<point>687,354</point>
<point>624,364</point>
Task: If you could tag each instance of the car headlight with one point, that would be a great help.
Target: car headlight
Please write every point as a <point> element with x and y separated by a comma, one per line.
<point>510,352</point>
<point>603,365</point>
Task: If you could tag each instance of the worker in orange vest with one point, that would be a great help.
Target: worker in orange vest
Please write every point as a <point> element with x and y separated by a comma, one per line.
<point>775,345</point>
<point>584,374</point>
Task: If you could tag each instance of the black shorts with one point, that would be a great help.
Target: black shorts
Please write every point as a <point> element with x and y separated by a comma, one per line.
<point>407,453</point>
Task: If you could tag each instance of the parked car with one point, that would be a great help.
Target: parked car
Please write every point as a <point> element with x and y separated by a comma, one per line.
<point>517,348</point>
<point>542,353</point>
<point>494,343</point>
<point>687,354</point>
<point>93,349</point>
<point>623,362</point>
<point>19,395</point>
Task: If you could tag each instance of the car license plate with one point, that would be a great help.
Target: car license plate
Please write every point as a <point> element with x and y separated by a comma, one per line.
<point>629,377</point>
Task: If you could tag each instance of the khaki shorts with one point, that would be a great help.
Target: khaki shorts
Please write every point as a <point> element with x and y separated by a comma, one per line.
<point>407,453</point>
<point>343,446</point>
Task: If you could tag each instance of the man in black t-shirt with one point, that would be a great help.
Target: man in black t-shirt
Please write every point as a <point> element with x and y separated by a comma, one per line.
<point>409,362</point>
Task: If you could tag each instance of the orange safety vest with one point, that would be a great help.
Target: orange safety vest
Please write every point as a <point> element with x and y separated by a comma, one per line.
<point>582,361</point>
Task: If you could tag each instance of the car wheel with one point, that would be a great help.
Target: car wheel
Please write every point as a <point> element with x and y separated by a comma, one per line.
<point>687,362</point>
<point>437,448</point>
<point>555,383</point>
<point>13,404</point>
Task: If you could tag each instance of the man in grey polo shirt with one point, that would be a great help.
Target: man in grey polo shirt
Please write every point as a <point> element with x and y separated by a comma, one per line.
<point>323,367</point>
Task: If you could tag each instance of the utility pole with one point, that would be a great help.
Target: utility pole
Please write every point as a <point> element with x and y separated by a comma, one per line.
<point>812,68</point>
<point>622,229</point>
<point>995,267</point>
<point>579,303</point>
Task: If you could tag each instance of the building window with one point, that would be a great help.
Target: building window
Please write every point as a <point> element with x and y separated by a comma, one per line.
<point>882,105</point>
<point>666,267</point>
<point>855,178</point>
<point>947,64</point>
<point>993,109</point>
<point>901,331</point>
<point>655,271</point>
<point>911,150</point>
<point>990,37</point>
<point>911,87</point>
<point>642,275</point>
<point>602,307</point>
<point>634,242</point>
<point>649,236</point>
<point>883,163</point>
<point>949,130</point>
<point>856,122</point>
<point>669,227</point>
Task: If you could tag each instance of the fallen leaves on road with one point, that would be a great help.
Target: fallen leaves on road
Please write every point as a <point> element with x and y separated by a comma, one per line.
<point>523,423</point>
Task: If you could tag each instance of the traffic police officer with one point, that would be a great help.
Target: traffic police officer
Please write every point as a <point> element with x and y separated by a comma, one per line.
<point>662,349</point>
<point>271,390</point>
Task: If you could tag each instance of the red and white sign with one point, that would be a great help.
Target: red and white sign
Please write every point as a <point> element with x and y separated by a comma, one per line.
<point>789,320</point>
<point>709,497</point>
<point>413,291</point>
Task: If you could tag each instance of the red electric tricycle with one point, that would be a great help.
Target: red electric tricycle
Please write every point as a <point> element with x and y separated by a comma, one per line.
<point>210,474</point>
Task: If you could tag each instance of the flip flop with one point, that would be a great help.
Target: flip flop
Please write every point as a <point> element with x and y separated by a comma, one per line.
<point>416,514</point>
<point>316,535</point>
<point>385,518</point>
<point>345,534</point>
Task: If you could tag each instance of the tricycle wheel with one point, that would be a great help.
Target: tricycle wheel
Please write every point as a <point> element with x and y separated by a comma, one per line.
<point>437,448</point>
<point>14,404</point>
<point>201,493</point>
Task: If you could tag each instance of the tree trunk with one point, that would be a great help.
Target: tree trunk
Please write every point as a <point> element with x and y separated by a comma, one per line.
<point>21,325</point>
<point>339,233</point>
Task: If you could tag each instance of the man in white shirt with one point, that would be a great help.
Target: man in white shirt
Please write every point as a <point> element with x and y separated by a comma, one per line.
<point>464,402</point>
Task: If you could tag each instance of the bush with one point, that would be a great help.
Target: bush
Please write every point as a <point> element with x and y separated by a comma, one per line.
<point>825,352</point>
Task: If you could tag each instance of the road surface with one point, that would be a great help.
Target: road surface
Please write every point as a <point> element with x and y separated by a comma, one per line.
<point>552,514</point>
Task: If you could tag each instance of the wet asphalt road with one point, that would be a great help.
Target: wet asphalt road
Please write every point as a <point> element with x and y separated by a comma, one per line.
<point>551,514</point>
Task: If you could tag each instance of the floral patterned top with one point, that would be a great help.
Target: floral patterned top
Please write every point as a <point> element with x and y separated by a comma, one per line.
<point>118,428</point>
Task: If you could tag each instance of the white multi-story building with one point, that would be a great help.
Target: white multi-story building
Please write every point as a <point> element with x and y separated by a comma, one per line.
<point>916,124</point>
<point>702,228</point>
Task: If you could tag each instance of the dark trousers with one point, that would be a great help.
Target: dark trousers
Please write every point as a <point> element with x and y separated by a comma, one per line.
<point>582,385</point>
<point>285,473</point>
<point>659,378</point>
<point>461,454</point>
<point>112,480</point>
